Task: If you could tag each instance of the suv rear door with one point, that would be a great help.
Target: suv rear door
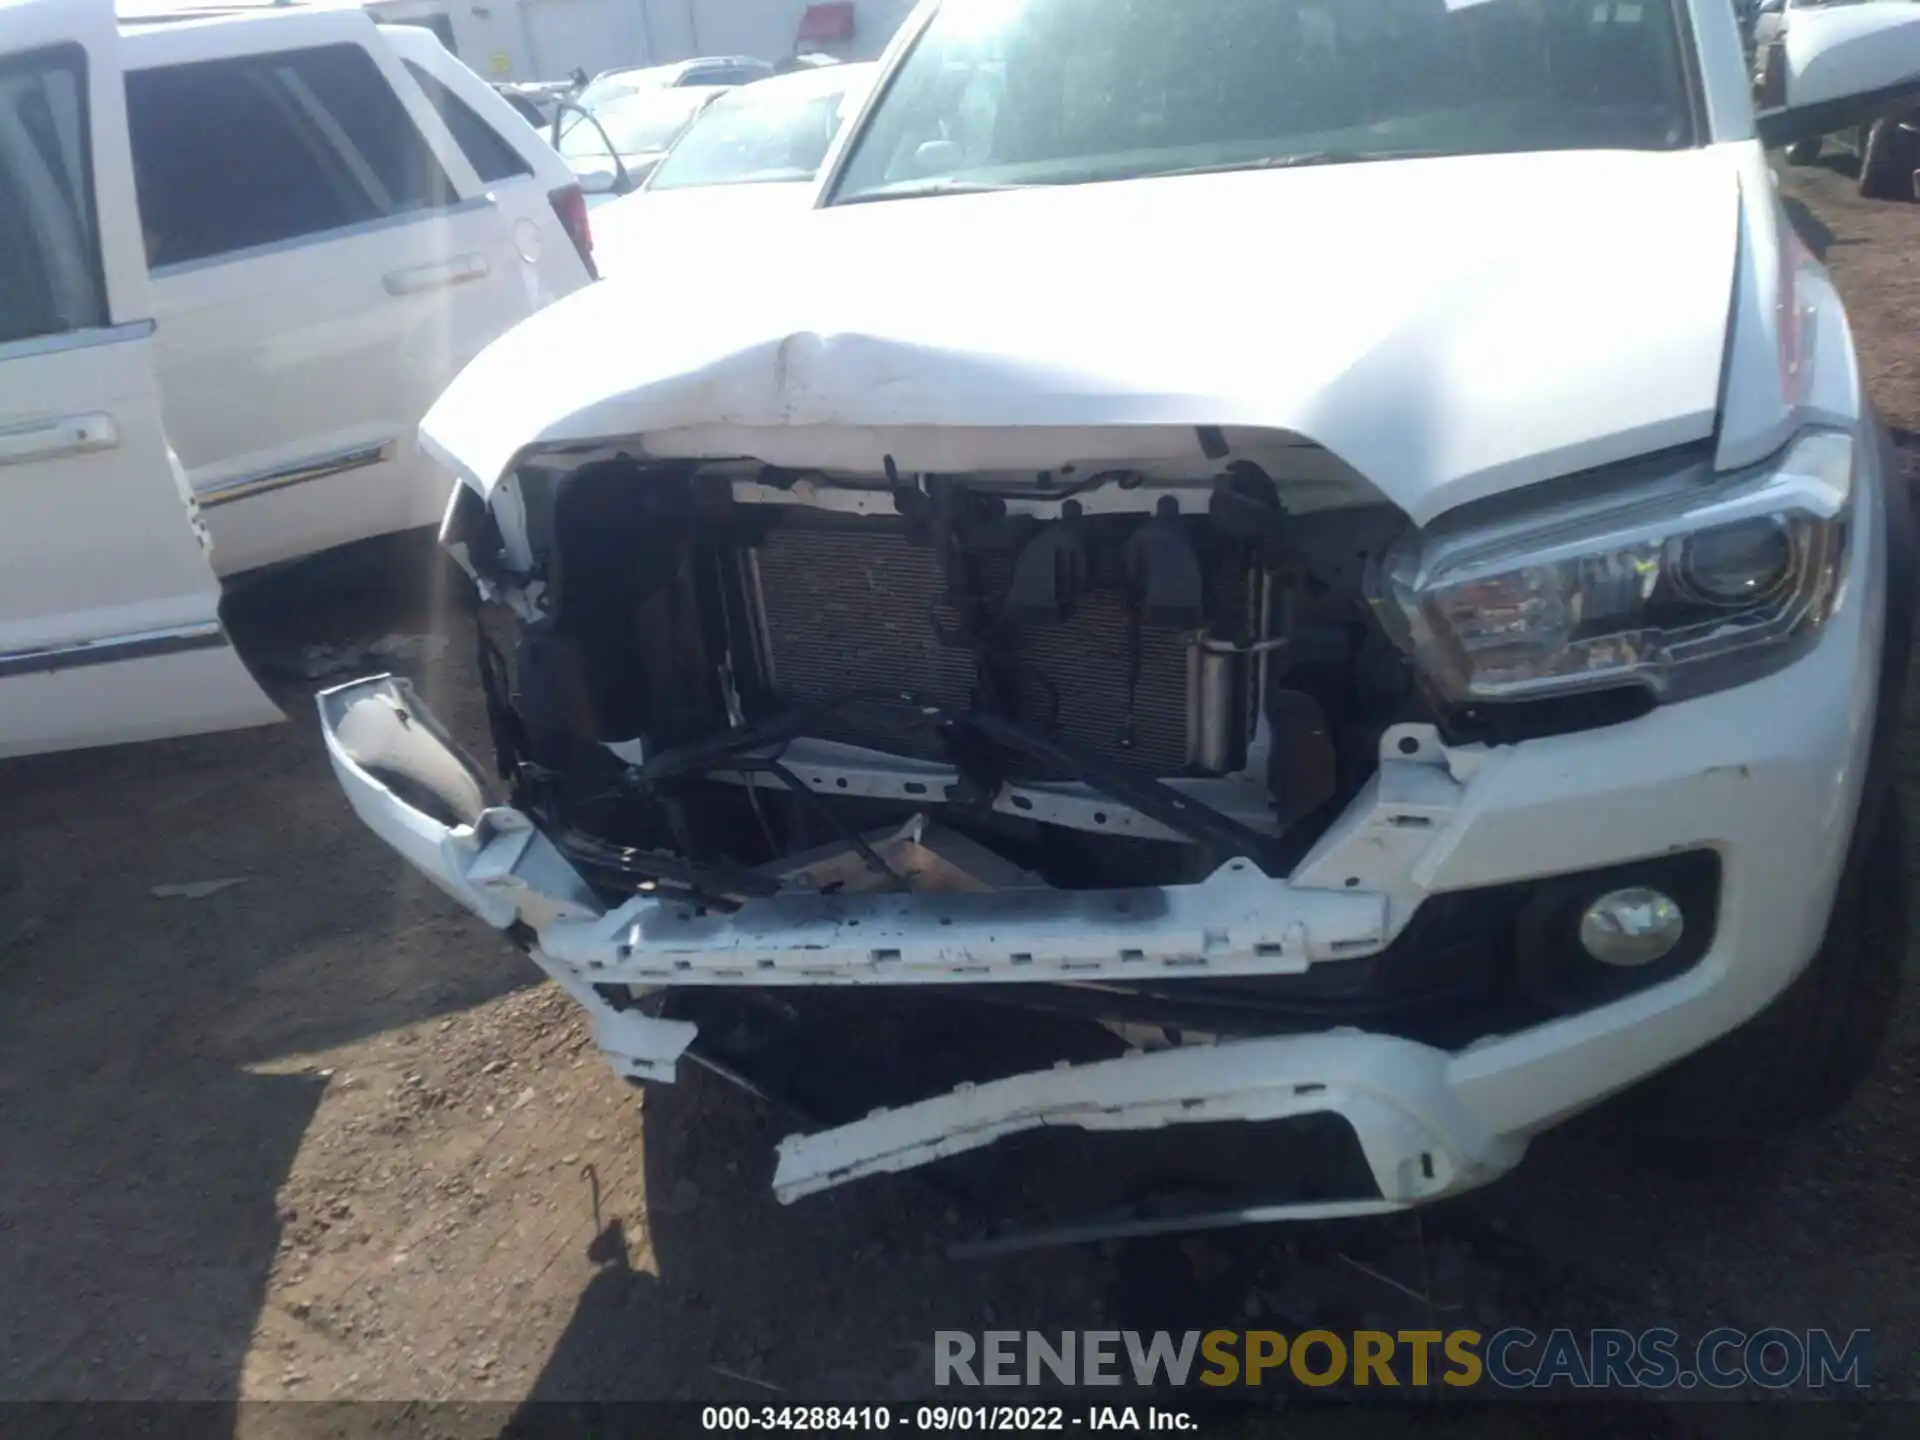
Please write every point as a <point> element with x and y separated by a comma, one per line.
<point>324,261</point>
<point>109,610</point>
<point>538,195</point>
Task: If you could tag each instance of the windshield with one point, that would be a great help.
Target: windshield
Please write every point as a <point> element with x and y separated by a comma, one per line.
<point>1017,92</point>
<point>748,137</point>
<point>638,123</point>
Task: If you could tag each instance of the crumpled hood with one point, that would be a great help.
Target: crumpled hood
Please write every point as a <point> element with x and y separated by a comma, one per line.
<point>1450,328</point>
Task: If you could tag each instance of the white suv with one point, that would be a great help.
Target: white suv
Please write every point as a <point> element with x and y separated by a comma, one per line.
<point>337,217</point>
<point>284,232</point>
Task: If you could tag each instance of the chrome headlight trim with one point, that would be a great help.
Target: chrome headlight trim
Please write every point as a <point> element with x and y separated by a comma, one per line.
<point>1684,583</point>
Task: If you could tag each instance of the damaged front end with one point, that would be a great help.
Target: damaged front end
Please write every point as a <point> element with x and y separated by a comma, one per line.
<point>698,670</point>
<point>951,808</point>
<point>1098,770</point>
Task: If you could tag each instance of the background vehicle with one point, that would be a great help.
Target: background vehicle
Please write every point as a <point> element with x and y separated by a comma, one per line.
<point>1885,155</point>
<point>337,217</point>
<point>612,144</point>
<point>1886,148</point>
<point>811,60</point>
<point>706,70</point>
<point>537,102</point>
<point>1763,22</point>
<point>109,609</point>
<point>753,152</point>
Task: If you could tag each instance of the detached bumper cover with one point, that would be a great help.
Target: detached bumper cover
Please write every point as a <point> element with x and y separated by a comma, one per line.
<point>1417,1139</point>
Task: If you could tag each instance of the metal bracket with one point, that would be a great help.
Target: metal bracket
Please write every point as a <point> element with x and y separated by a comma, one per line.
<point>637,1045</point>
<point>1394,821</point>
<point>833,768</point>
<point>520,865</point>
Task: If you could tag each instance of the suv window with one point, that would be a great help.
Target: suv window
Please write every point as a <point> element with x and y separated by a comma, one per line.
<point>486,149</point>
<point>50,279</point>
<point>1069,91</point>
<point>230,154</point>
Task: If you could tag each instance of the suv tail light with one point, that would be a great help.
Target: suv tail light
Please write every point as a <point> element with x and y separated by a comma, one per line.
<point>570,204</point>
<point>1773,77</point>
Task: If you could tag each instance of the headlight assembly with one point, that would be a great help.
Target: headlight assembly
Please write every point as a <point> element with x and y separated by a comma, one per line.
<point>1683,585</point>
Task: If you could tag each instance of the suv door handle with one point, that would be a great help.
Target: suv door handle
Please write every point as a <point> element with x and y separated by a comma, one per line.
<point>436,276</point>
<point>49,439</point>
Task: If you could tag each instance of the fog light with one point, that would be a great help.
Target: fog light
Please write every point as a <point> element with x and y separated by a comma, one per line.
<point>1630,928</point>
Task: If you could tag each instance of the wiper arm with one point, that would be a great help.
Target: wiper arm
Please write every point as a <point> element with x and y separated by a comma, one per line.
<point>922,192</point>
<point>1302,161</point>
<point>1306,161</point>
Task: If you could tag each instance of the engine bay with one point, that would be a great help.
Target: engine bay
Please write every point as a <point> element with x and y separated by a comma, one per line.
<point>727,681</point>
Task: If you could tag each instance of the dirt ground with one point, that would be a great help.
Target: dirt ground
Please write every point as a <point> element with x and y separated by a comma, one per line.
<point>318,1134</point>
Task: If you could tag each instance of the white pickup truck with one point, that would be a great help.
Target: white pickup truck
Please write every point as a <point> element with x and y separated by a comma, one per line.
<point>239,258</point>
<point>1317,577</point>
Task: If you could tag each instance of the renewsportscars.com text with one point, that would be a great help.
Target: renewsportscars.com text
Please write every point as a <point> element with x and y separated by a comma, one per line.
<point>1510,1359</point>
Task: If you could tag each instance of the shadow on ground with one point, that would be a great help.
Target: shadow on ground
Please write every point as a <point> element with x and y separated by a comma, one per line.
<point>142,1154</point>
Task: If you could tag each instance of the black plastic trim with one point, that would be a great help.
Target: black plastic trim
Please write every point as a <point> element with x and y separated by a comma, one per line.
<point>1456,973</point>
<point>1896,645</point>
<point>1777,128</point>
<point>146,645</point>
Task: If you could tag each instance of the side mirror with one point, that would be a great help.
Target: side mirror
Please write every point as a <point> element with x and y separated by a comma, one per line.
<point>1838,66</point>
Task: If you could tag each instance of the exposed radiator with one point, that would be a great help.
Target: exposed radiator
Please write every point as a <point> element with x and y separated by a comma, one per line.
<point>854,610</point>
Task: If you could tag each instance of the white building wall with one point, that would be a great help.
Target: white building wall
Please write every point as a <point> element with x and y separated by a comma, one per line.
<point>545,39</point>
<point>766,27</point>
